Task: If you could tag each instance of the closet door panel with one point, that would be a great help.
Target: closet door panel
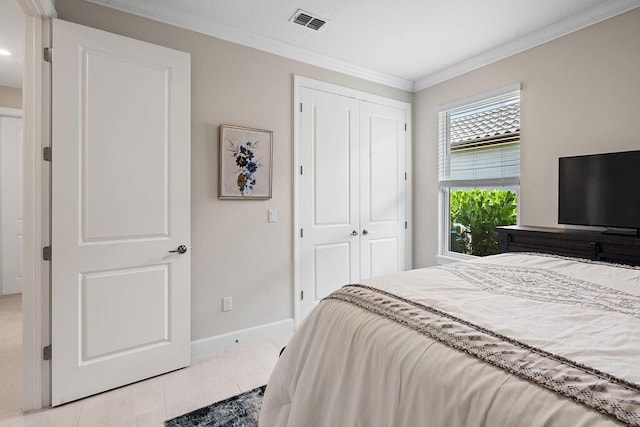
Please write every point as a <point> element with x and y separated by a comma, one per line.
<point>332,185</point>
<point>382,189</point>
<point>328,192</point>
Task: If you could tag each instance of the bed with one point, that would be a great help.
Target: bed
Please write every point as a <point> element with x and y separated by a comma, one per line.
<point>515,339</point>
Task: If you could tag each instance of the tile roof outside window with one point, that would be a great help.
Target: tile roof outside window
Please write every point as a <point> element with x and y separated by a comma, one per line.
<point>485,125</point>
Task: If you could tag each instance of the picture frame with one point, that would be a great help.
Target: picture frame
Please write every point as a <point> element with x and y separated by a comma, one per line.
<point>245,163</point>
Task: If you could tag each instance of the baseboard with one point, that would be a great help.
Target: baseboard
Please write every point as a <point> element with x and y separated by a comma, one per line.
<point>217,343</point>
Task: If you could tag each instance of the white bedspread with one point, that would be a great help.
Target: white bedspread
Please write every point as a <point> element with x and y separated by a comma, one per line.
<point>347,367</point>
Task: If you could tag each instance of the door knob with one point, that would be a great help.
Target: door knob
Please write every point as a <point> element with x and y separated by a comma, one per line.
<point>354,233</point>
<point>365,231</point>
<point>181,249</point>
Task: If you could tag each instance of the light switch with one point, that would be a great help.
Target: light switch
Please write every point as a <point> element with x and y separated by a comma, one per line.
<point>273,215</point>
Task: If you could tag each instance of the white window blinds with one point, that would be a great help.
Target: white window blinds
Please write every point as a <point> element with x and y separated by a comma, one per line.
<point>480,143</point>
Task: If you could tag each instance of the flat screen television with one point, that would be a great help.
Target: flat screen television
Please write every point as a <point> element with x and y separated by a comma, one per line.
<point>600,190</point>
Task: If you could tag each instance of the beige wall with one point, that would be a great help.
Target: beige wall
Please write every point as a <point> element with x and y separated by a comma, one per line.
<point>580,95</point>
<point>236,252</point>
<point>10,97</point>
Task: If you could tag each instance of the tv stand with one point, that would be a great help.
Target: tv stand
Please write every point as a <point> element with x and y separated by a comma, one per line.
<point>593,245</point>
<point>622,231</point>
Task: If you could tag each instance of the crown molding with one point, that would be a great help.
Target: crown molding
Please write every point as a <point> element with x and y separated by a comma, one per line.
<point>562,28</point>
<point>40,8</point>
<point>158,12</point>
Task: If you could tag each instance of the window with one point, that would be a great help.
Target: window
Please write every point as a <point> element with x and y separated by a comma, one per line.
<point>479,171</point>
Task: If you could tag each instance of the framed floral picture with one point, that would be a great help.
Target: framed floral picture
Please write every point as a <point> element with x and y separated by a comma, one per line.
<point>246,157</point>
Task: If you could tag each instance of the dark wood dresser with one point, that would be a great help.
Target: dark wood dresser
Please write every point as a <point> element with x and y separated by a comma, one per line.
<point>593,245</point>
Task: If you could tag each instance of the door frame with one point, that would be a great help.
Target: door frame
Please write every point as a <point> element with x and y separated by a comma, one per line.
<point>300,82</point>
<point>36,95</point>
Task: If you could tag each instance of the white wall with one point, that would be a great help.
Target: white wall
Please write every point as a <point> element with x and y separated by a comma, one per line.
<point>580,95</point>
<point>236,252</point>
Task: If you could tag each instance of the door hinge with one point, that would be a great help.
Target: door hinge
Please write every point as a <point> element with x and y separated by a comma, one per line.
<point>302,232</point>
<point>406,225</point>
<point>300,169</point>
<point>46,253</point>
<point>405,176</point>
<point>405,127</point>
<point>48,53</point>
<point>46,353</point>
<point>301,107</point>
<point>301,294</point>
<point>46,154</point>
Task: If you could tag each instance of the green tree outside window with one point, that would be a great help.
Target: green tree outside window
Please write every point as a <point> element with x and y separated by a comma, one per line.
<point>475,214</point>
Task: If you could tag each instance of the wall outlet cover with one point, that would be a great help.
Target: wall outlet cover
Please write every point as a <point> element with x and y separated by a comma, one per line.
<point>227,304</point>
<point>273,215</point>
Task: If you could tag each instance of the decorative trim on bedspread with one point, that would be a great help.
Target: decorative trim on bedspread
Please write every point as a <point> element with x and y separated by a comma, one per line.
<point>598,390</point>
<point>544,285</point>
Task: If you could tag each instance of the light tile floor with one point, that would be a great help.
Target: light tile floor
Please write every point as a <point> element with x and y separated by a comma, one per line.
<point>151,402</point>
<point>10,353</point>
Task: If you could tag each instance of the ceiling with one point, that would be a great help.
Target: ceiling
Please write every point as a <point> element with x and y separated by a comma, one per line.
<point>11,19</point>
<point>409,44</point>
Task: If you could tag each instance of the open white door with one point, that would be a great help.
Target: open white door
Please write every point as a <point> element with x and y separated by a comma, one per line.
<point>120,206</point>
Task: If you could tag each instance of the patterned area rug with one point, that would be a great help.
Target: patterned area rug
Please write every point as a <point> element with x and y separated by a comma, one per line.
<point>237,411</point>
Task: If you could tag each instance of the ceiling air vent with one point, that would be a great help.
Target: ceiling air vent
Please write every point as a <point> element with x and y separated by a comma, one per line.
<point>308,20</point>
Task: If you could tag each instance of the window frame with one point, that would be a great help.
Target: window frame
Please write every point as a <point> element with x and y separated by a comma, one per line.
<point>445,255</point>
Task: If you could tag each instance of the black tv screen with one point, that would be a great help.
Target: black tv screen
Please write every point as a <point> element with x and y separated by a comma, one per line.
<point>600,190</point>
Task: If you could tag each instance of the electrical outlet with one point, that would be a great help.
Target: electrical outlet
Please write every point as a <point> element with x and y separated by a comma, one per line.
<point>227,304</point>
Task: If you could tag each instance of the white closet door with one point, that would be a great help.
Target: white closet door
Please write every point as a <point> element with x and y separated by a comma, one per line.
<point>383,187</point>
<point>120,204</point>
<point>352,190</point>
<point>11,201</point>
<point>328,195</point>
